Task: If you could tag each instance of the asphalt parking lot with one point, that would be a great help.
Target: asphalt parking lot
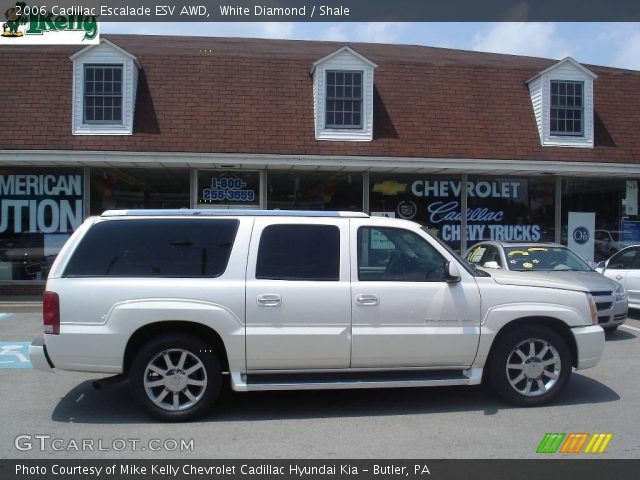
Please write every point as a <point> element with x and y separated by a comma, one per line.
<point>449,422</point>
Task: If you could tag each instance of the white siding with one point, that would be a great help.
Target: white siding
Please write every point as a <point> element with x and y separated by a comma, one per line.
<point>343,61</point>
<point>540,90</point>
<point>535,89</point>
<point>105,54</point>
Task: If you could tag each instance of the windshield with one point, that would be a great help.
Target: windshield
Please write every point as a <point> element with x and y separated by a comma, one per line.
<point>542,258</point>
<point>469,267</point>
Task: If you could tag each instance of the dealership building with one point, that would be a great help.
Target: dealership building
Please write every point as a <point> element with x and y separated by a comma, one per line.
<point>501,147</point>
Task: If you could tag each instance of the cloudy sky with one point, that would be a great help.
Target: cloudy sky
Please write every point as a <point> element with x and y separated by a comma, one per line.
<point>611,44</point>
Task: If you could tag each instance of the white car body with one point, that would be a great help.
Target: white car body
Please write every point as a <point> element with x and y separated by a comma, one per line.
<point>624,267</point>
<point>283,327</point>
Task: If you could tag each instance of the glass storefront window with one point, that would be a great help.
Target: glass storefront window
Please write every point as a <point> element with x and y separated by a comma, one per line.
<point>604,198</point>
<point>432,201</point>
<point>513,209</point>
<point>505,208</point>
<point>300,190</point>
<point>232,189</point>
<point>39,209</point>
<point>131,188</point>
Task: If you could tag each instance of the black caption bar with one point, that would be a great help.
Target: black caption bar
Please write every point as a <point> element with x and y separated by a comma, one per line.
<point>316,469</point>
<point>343,10</point>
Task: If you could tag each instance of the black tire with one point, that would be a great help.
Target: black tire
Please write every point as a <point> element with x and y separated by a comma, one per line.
<point>610,330</point>
<point>174,344</point>
<point>504,351</point>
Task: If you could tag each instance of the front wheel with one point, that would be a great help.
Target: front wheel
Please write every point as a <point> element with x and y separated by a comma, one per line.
<point>176,377</point>
<point>530,366</point>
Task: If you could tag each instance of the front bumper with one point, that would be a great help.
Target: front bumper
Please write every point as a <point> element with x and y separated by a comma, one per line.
<point>590,345</point>
<point>614,316</point>
<point>39,357</point>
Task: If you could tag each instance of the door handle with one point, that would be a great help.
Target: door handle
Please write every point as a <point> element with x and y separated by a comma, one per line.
<point>269,300</point>
<point>618,277</point>
<point>367,300</point>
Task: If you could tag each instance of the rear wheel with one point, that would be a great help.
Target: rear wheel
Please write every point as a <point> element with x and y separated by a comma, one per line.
<point>530,366</point>
<point>176,377</point>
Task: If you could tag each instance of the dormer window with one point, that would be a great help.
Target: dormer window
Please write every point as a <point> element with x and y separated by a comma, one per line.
<point>344,99</point>
<point>343,96</point>
<point>567,108</point>
<point>562,100</point>
<point>105,82</point>
<point>103,94</point>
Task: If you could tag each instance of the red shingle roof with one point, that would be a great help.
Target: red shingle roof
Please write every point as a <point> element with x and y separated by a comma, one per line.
<point>255,96</point>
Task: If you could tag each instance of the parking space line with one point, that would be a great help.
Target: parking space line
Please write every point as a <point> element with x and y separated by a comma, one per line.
<point>630,328</point>
<point>5,316</point>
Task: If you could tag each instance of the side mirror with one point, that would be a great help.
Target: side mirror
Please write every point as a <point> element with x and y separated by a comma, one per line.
<point>491,264</point>
<point>602,264</point>
<point>451,272</point>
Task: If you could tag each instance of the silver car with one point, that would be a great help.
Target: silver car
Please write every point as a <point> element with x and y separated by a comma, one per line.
<point>558,261</point>
<point>624,267</point>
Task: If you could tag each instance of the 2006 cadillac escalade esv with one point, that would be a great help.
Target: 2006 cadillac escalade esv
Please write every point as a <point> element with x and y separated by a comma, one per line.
<point>175,299</point>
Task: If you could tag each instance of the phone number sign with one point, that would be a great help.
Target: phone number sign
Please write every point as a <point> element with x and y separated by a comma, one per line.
<point>228,189</point>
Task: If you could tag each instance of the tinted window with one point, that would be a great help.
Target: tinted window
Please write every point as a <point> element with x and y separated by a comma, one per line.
<point>492,255</point>
<point>299,252</point>
<point>154,248</point>
<point>394,254</point>
<point>624,260</point>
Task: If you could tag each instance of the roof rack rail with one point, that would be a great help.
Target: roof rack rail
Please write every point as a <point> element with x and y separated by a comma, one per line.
<point>232,213</point>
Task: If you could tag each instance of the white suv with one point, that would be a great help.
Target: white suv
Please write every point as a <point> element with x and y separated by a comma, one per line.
<point>177,299</point>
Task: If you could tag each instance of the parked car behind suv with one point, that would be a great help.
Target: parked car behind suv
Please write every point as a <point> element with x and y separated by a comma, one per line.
<point>280,300</point>
<point>624,267</point>
<point>558,262</point>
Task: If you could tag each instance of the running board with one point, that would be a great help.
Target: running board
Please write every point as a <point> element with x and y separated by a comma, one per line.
<point>353,380</point>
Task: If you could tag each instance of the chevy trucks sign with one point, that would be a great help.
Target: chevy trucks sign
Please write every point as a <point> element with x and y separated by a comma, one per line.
<point>497,209</point>
<point>483,222</point>
<point>49,203</point>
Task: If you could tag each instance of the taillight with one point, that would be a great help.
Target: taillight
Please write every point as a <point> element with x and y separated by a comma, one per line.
<point>51,313</point>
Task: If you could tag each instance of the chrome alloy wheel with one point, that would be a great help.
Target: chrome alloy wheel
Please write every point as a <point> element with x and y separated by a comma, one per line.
<point>175,379</point>
<point>533,367</point>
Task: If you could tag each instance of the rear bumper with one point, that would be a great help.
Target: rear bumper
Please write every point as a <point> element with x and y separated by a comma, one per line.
<point>590,345</point>
<point>39,357</point>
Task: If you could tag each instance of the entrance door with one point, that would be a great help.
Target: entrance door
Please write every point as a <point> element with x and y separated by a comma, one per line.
<point>298,294</point>
<point>405,314</point>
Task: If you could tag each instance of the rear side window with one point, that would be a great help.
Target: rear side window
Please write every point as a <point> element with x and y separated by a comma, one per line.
<point>299,252</point>
<point>188,248</point>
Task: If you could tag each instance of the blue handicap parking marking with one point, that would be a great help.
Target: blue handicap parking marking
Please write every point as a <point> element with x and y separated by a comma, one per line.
<point>5,316</point>
<point>14,355</point>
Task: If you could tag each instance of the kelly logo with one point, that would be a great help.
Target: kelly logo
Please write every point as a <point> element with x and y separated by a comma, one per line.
<point>574,443</point>
<point>36,25</point>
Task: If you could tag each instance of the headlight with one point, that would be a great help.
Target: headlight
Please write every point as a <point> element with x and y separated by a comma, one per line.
<point>593,309</point>
<point>620,293</point>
